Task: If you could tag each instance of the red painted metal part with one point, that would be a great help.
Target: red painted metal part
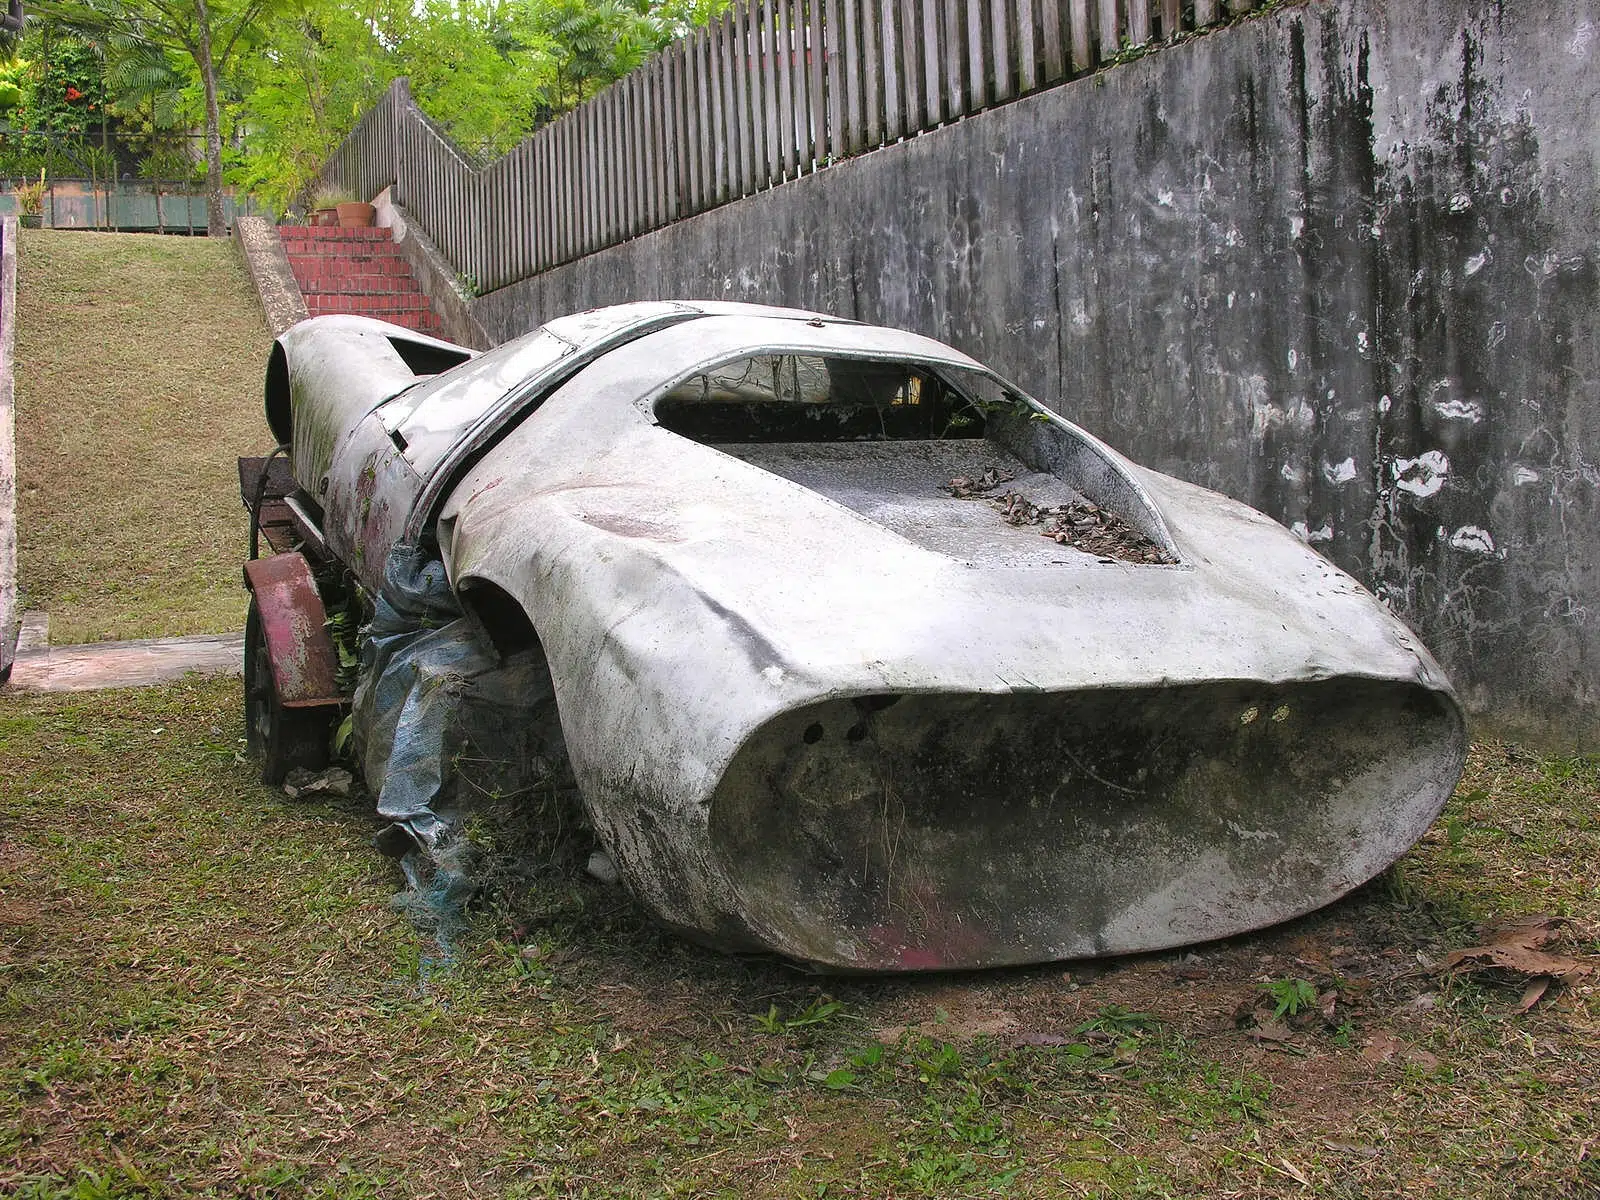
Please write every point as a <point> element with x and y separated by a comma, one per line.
<point>295,627</point>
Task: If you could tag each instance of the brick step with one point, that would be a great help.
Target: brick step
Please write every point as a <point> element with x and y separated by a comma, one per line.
<point>422,322</point>
<point>359,285</point>
<point>370,306</point>
<point>330,233</point>
<point>426,322</point>
<point>340,267</point>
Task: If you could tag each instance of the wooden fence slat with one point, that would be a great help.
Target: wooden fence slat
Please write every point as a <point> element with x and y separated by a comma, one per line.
<point>772,97</point>
<point>783,51</point>
<point>872,60</point>
<point>661,144</point>
<point>1053,60</point>
<point>627,157</point>
<point>1001,51</point>
<point>816,63</point>
<point>1171,18</point>
<point>1082,54</point>
<point>1138,22</point>
<point>1027,46</point>
<point>952,52</point>
<point>739,57</point>
<point>893,99</point>
<point>716,86</point>
<point>550,195</point>
<point>800,69</point>
<point>833,51</point>
<point>612,152</point>
<point>933,62</point>
<point>855,134</point>
<point>726,143</point>
<point>1110,30</point>
<point>710,121</point>
<point>977,61</point>
<point>908,29</point>
<point>672,137</point>
<point>698,112</point>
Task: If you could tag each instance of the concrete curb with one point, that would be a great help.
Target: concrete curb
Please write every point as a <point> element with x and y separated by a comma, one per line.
<point>434,274</point>
<point>126,664</point>
<point>8,444</point>
<point>256,241</point>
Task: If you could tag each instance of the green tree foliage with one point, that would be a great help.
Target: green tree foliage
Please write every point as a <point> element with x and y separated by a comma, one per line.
<point>489,72</point>
<point>292,77</point>
<point>210,35</point>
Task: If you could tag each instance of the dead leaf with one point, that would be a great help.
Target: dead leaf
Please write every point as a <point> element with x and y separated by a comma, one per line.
<point>1516,946</point>
<point>1381,1047</point>
<point>1040,1039</point>
<point>1270,1031</point>
<point>1327,1002</point>
<point>1534,992</point>
<point>1294,1172</point>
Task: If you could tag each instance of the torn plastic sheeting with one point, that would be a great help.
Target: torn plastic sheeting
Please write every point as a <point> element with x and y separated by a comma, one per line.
<point>430,689</point>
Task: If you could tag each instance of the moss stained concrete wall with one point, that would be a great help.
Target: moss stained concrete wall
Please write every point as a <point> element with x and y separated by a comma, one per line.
<point>1339,262</point>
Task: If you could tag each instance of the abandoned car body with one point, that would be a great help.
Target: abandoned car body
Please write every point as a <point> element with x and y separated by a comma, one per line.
<point>860,655</point>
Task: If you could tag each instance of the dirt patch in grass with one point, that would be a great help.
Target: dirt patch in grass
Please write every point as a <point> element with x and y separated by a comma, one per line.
<point>205,990</point>
<point>139,364</point>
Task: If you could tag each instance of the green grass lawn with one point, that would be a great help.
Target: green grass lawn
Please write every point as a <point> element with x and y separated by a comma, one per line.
<point>204,990</point>
<point>139,362</point>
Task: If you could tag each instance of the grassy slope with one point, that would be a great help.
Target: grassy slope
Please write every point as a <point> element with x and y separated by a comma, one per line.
<point>138,383</point>
<point>204,990</point>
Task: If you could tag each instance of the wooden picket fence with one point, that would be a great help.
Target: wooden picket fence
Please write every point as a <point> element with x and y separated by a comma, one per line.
<point>772,90</point>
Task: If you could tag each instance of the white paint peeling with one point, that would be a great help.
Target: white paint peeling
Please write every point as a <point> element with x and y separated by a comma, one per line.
<point>1297,415</point>
<point>1230,299</point>
<point>1476,263</point>
<point>1293,473</point>
<point>1339,473</point>
<point>1233,238</point>
<point>1297,226</point>
<point>1294,358</point>
<point>1385,404</point>
<point>1038,322</point>
<point>1497,334</point>
<point>1460,202</point>
<point>1253,835</point>
<point>1459,410</point>
<point>1474,540</point>
<point>1363,343</point>
<point>1164,198</point>
<point>1422,476</point>
<point>1310,536</point>
<point>1523,476</point>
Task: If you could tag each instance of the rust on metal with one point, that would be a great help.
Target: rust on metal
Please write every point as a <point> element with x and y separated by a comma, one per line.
<point>293,622</point>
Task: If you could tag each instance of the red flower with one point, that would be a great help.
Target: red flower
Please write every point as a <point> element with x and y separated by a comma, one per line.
<point>73,93</point>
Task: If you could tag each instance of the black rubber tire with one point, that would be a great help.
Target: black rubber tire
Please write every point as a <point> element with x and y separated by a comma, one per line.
<point>280,738</point>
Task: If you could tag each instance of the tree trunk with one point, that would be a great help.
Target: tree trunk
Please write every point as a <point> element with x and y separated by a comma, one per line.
<point>216,226</point>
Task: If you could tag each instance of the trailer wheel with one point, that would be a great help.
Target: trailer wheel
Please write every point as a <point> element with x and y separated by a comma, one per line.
<point>280,738</point>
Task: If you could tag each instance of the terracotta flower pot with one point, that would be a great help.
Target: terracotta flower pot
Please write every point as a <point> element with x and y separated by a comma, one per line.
<point>356,215</point>
<point>325,216</point>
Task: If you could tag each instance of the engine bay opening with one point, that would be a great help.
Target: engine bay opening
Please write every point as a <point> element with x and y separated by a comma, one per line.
<point>801,398</point>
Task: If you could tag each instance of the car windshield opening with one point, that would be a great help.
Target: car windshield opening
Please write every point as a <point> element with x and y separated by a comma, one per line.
<point>801,398</point>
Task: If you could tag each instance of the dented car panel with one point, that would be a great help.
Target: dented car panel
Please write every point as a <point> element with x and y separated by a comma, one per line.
<point>821,701</point>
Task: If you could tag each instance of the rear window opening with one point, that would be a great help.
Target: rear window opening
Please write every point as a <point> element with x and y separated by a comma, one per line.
<point>800,398</point>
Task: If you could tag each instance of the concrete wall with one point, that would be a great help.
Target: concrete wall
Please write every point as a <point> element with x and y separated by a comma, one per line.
<point>1339,262</point>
